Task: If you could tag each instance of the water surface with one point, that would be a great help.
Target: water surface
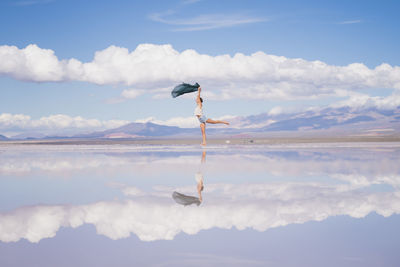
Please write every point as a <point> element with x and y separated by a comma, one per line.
<point>142,205</point>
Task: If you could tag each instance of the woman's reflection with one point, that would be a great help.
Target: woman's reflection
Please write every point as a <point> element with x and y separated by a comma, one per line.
<point>189,200</point>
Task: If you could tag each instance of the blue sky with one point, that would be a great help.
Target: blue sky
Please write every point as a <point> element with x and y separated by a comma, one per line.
<point>335,33</point>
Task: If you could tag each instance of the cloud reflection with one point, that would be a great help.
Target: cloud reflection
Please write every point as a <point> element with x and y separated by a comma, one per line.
<point>155,216</point>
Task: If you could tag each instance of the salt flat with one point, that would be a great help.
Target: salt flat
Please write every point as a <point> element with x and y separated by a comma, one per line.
<point>263,203</point>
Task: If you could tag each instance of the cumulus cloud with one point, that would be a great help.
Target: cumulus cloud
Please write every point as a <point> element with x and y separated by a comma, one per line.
<point>53,123</point>
<point>362,101</point>
<point>31,64</point>
<point>157,217</point>
<point>149,66</point>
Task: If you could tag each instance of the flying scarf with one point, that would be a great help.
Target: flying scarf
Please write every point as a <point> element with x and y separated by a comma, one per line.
<point>184,88</point>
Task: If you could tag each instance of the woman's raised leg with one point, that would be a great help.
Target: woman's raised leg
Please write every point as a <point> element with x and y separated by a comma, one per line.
<point>216,121</point>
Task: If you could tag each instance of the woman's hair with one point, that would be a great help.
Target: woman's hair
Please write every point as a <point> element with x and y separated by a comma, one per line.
<point>201,100</point>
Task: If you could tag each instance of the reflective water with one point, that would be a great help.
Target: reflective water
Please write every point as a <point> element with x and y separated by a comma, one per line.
<point>121,205</point>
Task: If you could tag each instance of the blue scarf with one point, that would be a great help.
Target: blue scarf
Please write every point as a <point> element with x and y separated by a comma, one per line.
<point>184,88</point>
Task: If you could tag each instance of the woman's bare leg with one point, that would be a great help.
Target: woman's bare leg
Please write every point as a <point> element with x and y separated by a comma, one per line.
<point>216,121</point>
<point>203,133</point>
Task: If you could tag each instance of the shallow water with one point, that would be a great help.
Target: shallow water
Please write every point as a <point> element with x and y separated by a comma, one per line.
<point>275,205</point>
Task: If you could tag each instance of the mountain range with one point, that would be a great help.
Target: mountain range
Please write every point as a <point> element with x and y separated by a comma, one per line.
<point>334,121</point>
<point>342,121</point>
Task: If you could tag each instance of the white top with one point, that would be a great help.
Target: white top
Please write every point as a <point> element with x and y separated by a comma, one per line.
<point>198,177</point>
<point>198,111</point>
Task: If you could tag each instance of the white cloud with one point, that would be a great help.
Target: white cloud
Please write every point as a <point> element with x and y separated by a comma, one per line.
<point>351,21</point>
<point>275,111</point>
<point>361,101</point>
<point>32,2</point>
<point>157,217</point>
<point>255,76</point>
<point>205,22</point>
<point>31,64</point>
<point>132,93</point>
<point>14,120</point>
<point>188,2</point>
<point>53,123</point>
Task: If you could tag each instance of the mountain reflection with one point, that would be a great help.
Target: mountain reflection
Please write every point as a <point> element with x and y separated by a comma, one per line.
<point>357,166</point>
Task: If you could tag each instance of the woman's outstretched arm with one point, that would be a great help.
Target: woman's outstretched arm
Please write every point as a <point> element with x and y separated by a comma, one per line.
<point>198,93</point>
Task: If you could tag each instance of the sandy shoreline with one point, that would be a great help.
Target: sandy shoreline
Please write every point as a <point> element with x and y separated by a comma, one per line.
<point>214,141</point>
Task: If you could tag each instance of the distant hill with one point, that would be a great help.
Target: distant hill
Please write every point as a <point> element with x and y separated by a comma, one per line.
<point>3,138</point>
<point>342,121</point>
<point>330,122</point>
<point>32,135</point>
<point>137,130</point>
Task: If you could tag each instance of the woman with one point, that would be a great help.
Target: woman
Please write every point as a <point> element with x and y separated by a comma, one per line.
<point>202,118</point>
